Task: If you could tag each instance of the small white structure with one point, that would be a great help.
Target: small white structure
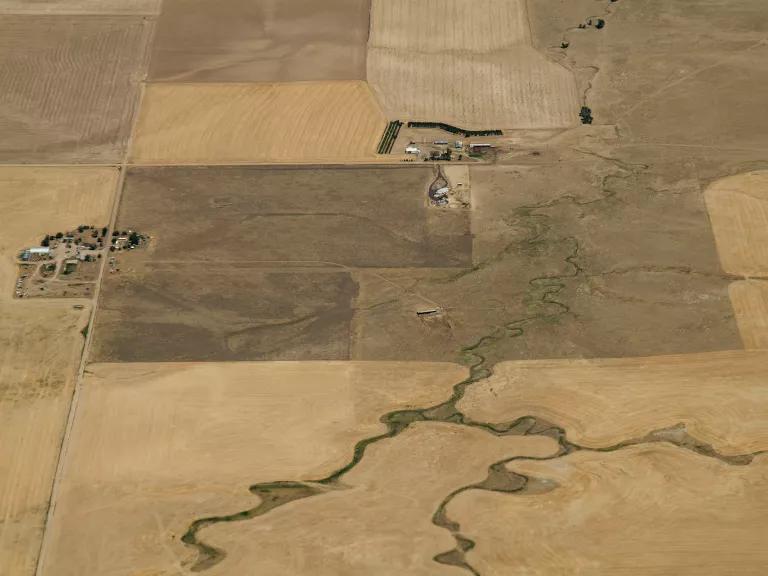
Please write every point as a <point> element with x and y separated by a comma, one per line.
<point>458,144</point>
<point>412,150</point>
<point>440,142</point>
<point>480,145</point>
<point>39,250</point>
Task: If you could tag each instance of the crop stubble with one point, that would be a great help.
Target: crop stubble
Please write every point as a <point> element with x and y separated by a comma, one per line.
<point>295,122</point>
<point>40,347</point>
<point>137,474</point>
<point>467,63</point>
<point>652,510</point>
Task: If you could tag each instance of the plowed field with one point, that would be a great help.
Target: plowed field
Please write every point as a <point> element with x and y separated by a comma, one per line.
<point>260,41</point>
<point>231,123</point>
<point>69,86</point>
<point>79,6</point>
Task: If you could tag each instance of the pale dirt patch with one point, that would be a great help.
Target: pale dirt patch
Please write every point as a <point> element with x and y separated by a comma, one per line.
<point>297,122</point>
<point>465,63</point>
<point>157,445</point>
<point>652,510</point>
<point>720,396</point>
<point>382,523</point>
<point>40,346</point>
<point>738,210</point>
<point>750,304</point>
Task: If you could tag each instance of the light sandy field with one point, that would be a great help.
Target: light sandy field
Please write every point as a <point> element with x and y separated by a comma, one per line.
<point>382,524</point>
<point>652,510</point>
<point>465,63</point>
<point>44,200</point>
<point>738,210</point>
<point>157,445</point>
<point>79,6</point>
<point>291,122</point>
<point>721,397</point>
<point>750,304</point>
<point>40,344</point>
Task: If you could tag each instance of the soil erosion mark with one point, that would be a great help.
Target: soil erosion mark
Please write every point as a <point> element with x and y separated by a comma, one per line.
<point>543,293</point>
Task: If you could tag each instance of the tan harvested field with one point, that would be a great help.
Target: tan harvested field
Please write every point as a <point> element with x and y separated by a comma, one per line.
<point>738,209</point>
<point>465,63</point>
<point>63,101</point>
<point>721,397</point>
<point>40,346</point>
<point>653,510</point>
<point>44,200</point>
<point>382,522</point>
<point>750,304</point>
<point>139,473</point>
<point>260,41</point>
<point>39,7</point>
<point>306,122</point>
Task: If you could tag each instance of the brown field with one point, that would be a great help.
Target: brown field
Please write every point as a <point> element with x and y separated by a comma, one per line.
<point>738,209</point>
<point>139,473</point>
<point>663,73</point>
<point>750,303</point>
<point>40,346</point>
<point>270,275</point>
<point>652,510</point>
<point>321,122</point>
<point>260,41</point>
<point>79,7</point>
<point>719,396</point>
<point>62,100</point>
<point>465,63</point>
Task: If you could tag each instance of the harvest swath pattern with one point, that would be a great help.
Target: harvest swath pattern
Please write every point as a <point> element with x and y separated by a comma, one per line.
<point>461,65</point>
<point>290,122</point>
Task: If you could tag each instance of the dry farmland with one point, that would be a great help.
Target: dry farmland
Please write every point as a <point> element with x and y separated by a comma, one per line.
<point>260,41</point>
<point>268,275</point>
<point>87,117</point>
<point>652,510</point>
<point>137,475</point>
<point>750,304</point>
<point>738,209</point>
<point>719,396</point>
<point>40,346</point>
<point>49,7</point>
<point>320,122</point>
<point>467,63</point>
